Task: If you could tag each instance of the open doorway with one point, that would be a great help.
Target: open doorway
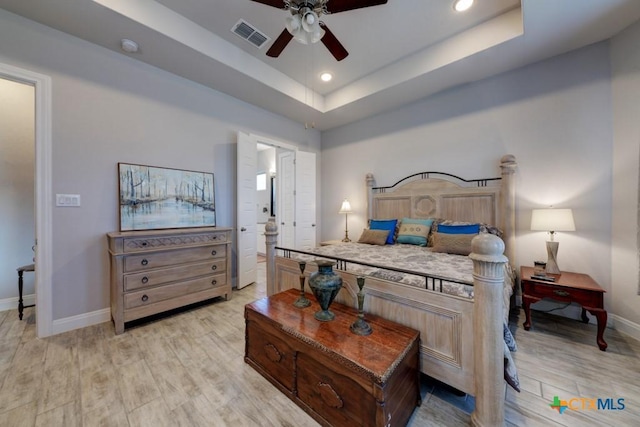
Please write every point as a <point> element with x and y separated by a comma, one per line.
<point>17,192</point>
<point>43,194</point>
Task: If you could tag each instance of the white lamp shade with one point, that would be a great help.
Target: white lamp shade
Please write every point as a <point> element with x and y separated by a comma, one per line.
<point>552,220</point>
<point>293,24</point>
<point>345,208</point>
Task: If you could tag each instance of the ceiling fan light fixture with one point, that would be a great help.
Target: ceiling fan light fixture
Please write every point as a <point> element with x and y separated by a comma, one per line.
<point>293,24</point>
<point>462,5</point>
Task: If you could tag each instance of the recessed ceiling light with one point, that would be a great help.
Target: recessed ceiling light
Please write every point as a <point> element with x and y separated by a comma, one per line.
<point>462,5</point>
<point>326,77</point>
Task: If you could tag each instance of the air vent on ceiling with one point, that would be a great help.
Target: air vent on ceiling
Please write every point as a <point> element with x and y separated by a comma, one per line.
<point>251,34</point>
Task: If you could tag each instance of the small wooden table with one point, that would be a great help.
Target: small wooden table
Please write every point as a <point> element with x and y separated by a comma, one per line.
<point>568,287</point>
<point>337,377</point>
<point>21,270</point>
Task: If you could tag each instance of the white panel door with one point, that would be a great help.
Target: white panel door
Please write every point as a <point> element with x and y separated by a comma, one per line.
<point>246,237</point>
<point>285,205</point>
<point>305,225</point>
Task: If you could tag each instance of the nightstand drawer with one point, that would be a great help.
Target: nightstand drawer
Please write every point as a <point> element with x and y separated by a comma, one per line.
<point>561,293</point>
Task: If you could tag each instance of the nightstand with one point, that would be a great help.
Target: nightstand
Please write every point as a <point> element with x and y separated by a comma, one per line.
<point>567,287</point>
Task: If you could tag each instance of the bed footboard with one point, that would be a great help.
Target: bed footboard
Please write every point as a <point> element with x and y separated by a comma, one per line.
<point>461,339</point>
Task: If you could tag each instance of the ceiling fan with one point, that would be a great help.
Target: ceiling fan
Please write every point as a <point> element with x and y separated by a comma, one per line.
<point>305,26</point>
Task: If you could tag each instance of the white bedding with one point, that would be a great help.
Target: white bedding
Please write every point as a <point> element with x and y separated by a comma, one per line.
<point>407,257</point>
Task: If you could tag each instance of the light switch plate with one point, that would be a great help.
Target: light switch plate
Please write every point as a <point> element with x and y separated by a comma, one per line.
<point>68,200</point>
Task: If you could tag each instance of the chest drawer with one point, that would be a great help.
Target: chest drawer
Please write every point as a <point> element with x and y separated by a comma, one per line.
<point>138,244</point>
<point>338,397</point>
<point>166,258</point>
<point>145,279</point>
<point>162,293</point>
<point>272,354</point>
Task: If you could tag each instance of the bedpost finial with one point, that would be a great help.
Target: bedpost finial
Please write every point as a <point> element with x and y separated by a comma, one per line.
<point>508,161</point>
<point>487,247</point>
<point>271,226</point>
<point>370,180</point>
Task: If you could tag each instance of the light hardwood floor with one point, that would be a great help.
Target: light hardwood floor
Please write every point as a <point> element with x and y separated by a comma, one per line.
<point>188,370</point>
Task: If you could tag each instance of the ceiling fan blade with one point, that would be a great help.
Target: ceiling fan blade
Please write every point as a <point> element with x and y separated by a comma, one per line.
<point>331,42</point>
<point>335,6</point>
<point>275,3</point>
<point>281,42</point>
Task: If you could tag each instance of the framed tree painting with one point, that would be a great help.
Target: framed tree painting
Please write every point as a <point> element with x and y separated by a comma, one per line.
<point>154,198</point>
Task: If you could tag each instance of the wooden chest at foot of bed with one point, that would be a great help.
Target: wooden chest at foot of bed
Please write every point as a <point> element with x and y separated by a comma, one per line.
<point>337,377</point>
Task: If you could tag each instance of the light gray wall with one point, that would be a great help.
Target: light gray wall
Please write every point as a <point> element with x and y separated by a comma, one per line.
<point>625,57</point>
<point>108,108</point>
<point>554,116</point>
<point>17,144</point>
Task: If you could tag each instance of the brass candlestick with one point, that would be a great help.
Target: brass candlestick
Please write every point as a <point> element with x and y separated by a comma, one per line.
<point>302,300</point>
<point>360,326</point>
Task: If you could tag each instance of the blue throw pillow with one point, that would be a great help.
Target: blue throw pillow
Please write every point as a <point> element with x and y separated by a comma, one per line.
<point>385,224</point>
<point>414,231</point>
<point>459,229</point>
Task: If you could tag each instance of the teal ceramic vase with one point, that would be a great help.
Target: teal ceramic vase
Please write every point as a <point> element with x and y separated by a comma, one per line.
<point>325,285</point>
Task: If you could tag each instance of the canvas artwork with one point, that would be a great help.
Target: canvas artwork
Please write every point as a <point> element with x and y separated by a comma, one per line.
<point>156,198</point>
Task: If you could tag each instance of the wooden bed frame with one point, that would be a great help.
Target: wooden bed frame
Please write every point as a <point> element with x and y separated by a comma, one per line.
<point>462,340</point>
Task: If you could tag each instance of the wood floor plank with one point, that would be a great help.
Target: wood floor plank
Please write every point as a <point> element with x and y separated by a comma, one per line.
<point>21,416</point>
<point>67,415</point>
<point>137,385</point>
<point>99,388</point>
<point>60,386</point>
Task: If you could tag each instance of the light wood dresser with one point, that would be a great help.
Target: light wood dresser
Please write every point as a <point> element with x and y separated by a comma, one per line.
<point>159,270</point>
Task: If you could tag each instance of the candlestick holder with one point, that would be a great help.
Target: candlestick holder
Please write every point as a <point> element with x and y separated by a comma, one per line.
<point>360,326</point>
<point>302,300</point>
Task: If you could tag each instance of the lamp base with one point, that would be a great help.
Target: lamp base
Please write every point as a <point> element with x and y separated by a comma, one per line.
<point>552,255</point>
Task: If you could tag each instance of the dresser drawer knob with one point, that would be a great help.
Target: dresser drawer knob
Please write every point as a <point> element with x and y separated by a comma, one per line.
<point>214,252</point>
<point>145,279</point>
<point>144,262</point>
<point>145,297</point>
<point>561,293</point>
<point>145,243</point>
<point>214,282</point>
<point>214,267</point>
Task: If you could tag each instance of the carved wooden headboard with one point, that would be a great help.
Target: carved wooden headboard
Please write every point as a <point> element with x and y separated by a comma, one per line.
<point>442,195</point>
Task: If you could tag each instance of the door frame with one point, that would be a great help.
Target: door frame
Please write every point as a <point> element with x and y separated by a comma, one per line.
<point>43,192</point>
<point>275,144</point>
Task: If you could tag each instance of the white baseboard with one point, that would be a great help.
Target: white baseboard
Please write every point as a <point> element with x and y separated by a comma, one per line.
<point>626,326</point>
<point>61,325</point>
<point>81,321</point>
<point>12,303</point>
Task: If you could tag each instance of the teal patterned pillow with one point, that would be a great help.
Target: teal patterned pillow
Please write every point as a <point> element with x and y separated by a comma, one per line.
<point>414,231</point>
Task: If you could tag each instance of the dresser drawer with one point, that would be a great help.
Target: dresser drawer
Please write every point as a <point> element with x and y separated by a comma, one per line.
<point>166,258</point>
<point>145,279</point>
<point>162,293</point>
<point>138,244</point>
<point>272,354</point>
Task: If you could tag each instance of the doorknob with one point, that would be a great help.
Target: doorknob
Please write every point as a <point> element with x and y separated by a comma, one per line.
<point>313,225</point>
<point>243,229</point>
<point>282,223</point>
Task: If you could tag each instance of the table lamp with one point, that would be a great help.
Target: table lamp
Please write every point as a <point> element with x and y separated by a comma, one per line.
<point>346,210</point>
<point>552,220</point>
